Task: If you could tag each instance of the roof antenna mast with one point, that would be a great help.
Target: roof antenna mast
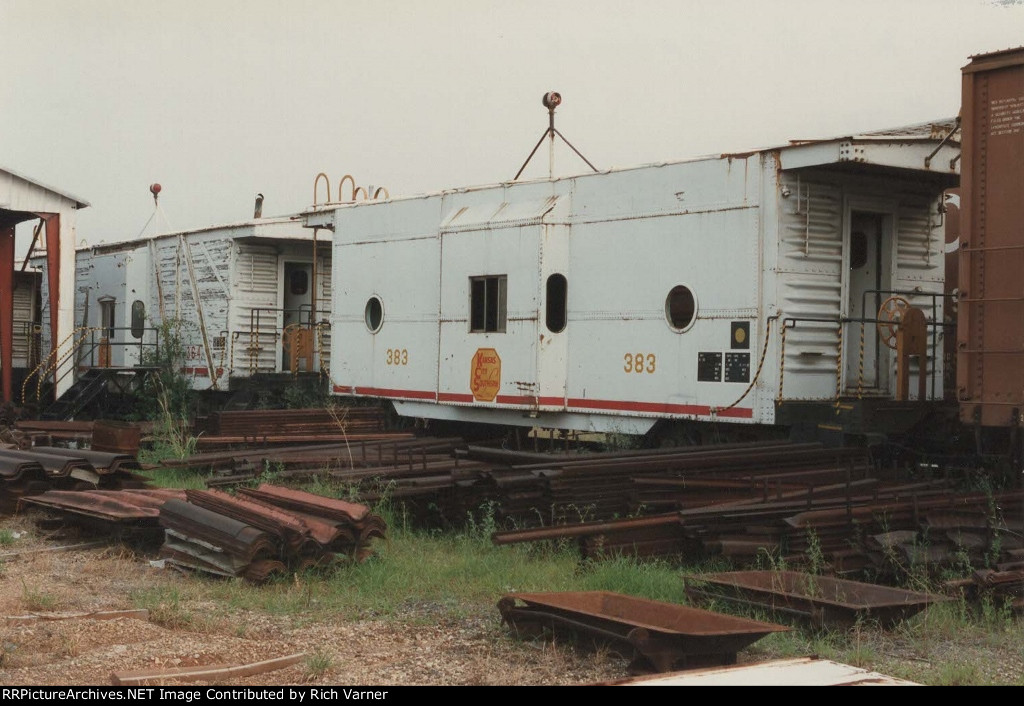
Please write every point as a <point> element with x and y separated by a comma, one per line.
<point>551,101</point>
<point>155,189</point>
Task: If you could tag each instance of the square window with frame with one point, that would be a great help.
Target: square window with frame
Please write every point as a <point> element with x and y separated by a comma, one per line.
<point>487,303</point>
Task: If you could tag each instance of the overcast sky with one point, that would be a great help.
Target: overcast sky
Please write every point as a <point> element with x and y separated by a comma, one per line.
<point>219,100</point>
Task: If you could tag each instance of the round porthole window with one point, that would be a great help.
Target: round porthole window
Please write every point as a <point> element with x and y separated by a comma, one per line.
<point>680,308</point>
<point>374,314</point>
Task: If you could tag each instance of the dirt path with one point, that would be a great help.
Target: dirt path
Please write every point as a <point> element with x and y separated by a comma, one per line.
<point>421,648</point>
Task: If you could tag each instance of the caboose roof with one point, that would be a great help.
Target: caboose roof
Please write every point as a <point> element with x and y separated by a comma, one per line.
<point>927,150</point>
<point>254,229</point>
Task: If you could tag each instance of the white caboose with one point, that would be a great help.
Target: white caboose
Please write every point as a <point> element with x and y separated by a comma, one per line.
<point>248,298</point>
<point>721,288</point>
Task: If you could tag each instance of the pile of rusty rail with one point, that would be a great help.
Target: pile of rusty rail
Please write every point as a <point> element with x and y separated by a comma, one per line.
<point>29,472</point>
<point>603,486</point>
<point>527,490</point>
<point>773,501</point>
<point>885,527</point>
<point>287,426</point>
<point>101,435</point>
<point>442,481</point>
<point>1003,584</point>
<point>268,531</point>
<point>340,460</point>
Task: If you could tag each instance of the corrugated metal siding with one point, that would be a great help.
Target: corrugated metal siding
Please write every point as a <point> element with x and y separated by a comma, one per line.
<point>24,300</point>
<point>256,287</point>
<point>920,266</point>
<point>918,242</point>
<point>323,270</point>
<point>809,271</point>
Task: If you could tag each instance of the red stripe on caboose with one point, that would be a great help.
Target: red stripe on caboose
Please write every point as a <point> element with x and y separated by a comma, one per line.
<point>572,402</point>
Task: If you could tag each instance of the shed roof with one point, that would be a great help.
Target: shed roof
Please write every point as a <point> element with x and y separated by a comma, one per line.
<point>79,202</point>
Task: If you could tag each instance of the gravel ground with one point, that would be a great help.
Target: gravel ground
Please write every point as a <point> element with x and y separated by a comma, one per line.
<point>423,647</point>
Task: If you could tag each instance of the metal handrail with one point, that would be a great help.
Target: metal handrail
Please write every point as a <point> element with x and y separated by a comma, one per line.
<point>105,339</point>
<point>83,342</point>
<point>263,321</point>
<point>791,322</point>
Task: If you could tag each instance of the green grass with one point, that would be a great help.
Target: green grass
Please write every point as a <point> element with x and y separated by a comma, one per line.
<point>36,600</point>
<point>176,478</point>
<point>166,606</point>
<point>6,537</point>
<point>419,575</point>
<point>957,673</point>
<point>318,664</point>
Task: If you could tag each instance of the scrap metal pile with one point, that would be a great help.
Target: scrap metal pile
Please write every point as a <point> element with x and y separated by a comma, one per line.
<point>772,502</point>
<point>441,480</point>
<point>351,461</point>
<point>268,531</point>
<point>1004,584</point>
<point>282,426</point>
<point>101,435</point>
<point>262,532</point>
<point>120,514</point>
<point>29,472</point>
<point>890,527</point>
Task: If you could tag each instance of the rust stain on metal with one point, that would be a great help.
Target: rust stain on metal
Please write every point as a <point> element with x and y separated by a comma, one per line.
<point>109,505</point>
<point>116,437</point>
<point>822,600</point>
<point>990,354</point>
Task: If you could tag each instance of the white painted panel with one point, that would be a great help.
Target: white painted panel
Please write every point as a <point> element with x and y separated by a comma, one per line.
<point>622,274</point>
<point>553,346</point>
<point>515,253</point>
<point>404,275</point>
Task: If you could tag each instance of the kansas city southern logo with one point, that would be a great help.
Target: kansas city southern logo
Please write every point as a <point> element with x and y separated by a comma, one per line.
<point>485,374</point>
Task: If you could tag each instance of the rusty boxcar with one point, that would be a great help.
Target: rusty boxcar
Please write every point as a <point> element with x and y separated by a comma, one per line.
<point>990,331</point>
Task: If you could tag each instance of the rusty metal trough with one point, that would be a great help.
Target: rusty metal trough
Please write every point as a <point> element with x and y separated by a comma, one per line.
<point>659,636</point>
<point>821,600</point>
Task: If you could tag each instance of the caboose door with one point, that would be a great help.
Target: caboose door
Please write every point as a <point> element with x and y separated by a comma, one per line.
<point>296,333</point>
<point>869,276</point>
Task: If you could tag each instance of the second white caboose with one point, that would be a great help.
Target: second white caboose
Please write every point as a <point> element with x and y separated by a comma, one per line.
<point>243,299</point>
